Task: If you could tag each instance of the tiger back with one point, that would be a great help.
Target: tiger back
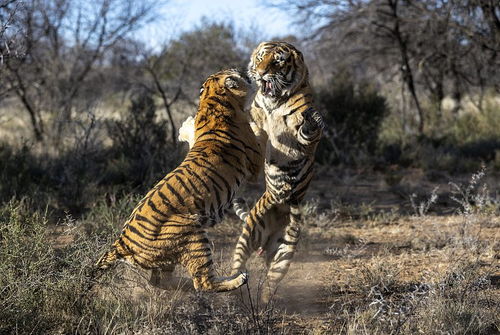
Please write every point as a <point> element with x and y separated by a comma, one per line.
<point>167,226</point>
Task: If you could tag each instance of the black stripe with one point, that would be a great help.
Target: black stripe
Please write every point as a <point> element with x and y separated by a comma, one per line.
<point>196,152</point>
<point>296,100</point>
<point>299,193</point>
<point>176,194</point>
<point>285,257</point>
<point>226,153</point>
<point>232,137</point>
<point>203,125</point>
<point>203,183</point>
<point>166,201</point>
<point>231,145</point>
<point>138,244</point>
<point>221,102</point>
<point>216,173</point>
<point>206,265</point>
<point>139,217</point>
<point>208,176</point>
<point>217,196</point>
<point>145,229</point>
<point>193,186</point>
<point>307,174</point>
<point>154,208</point>
<point>297,108</point>
<point>124,246</point>
<point>206,133</point>
<point>132,229</point>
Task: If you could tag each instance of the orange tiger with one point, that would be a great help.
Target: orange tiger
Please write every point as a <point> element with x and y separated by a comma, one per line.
<point>167,226</point>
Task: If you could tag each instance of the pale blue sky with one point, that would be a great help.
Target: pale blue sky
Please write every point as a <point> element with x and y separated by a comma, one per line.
<point>179,16</point>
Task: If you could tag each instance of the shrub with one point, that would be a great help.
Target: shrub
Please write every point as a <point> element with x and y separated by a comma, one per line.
<point>46,288</point>
<point>142,153</point>
<point>353,114</point>
<point>20,172</point>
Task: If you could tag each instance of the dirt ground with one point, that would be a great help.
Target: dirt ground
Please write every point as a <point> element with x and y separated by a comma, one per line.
<point>362,222</point>
<point>362,231</point>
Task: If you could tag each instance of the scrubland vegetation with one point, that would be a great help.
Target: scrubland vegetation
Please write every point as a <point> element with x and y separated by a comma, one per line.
<point>401,232</point>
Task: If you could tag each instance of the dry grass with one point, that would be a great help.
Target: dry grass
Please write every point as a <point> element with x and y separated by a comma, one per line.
<point>397,271</point>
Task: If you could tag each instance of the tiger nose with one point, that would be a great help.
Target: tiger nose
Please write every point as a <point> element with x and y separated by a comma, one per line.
<point>261,72</point>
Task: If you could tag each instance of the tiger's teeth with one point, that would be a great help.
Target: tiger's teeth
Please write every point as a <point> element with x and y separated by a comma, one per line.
<point>269,88</point>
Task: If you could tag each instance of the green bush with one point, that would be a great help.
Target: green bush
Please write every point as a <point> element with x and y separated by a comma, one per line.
<point>353,115</point>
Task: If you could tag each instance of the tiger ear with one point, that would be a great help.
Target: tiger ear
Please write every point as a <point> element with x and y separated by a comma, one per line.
<point>231,83</point>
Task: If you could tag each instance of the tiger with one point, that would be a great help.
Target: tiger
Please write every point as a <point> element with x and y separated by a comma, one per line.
<point>167,226</point>
<point>283,109</point>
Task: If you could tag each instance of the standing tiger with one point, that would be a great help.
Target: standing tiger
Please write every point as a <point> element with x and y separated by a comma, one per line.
<point>167,226</point>
<point>283,109</point>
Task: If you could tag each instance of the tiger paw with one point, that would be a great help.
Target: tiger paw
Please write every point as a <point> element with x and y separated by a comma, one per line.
<point>242,278</point>
<point>187,131</point>
<point>312,120</point>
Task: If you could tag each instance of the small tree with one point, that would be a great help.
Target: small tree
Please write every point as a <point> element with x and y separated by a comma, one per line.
<point>62,42</point>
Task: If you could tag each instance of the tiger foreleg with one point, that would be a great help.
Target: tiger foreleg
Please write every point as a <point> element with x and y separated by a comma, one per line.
<point>312,127</point>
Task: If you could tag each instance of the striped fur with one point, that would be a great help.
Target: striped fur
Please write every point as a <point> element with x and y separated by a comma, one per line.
<point>167,226</point>
<point>283,109</point>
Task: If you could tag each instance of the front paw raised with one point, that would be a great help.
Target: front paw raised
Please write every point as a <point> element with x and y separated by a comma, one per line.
<point>312,121</point>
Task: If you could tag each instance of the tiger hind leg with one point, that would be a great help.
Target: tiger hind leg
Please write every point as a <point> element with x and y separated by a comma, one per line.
<point>162,277</point>
<point>281,249</point>
<point>197,259</point>
<point>255,232</point>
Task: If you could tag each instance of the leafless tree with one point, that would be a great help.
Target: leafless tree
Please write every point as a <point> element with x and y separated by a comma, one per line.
<point>8,47</point>
<point>438,47</point>
<point>63,43</point>
<point>465,42</point>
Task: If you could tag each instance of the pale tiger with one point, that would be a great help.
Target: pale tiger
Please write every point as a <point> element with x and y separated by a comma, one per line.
<point>283,109</point>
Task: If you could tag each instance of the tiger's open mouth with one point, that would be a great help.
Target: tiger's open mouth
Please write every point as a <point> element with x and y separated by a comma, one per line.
<point>267,88</point>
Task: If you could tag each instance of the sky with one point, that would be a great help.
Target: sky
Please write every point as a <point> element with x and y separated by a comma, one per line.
<point>178,16</point>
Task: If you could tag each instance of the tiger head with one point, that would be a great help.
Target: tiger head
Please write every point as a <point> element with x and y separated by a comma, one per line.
<point>226,87</point>
<point>278,69</point>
